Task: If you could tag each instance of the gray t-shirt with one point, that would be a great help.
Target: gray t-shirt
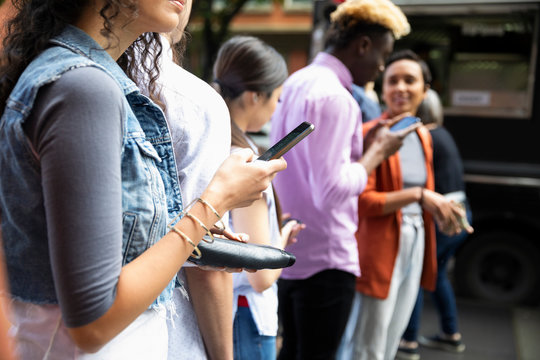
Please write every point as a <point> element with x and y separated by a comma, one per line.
<point>76,131</point>
<point>413,168</point>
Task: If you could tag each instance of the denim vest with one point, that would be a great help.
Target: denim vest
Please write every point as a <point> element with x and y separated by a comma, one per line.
<point>150,189</point>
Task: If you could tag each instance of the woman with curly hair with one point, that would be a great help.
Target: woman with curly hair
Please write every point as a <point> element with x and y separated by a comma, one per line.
<point>88,183</point>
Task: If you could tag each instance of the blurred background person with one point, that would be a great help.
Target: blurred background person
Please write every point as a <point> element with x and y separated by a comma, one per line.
<point>328,170</point>
<point>396,237</point>
<point>198,119</point>
<point>448,172</point>
<point>249,74</point>
<point>367,100</point>
<point>365,95</point>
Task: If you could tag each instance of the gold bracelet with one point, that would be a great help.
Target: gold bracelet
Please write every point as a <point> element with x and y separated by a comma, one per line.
<point>186,238</point>
<point>206,203</point>
<point>183,213</point>
<point>196,219</point>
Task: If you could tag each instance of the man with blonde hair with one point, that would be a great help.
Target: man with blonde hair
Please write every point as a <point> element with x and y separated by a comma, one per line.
<point>328,170</point>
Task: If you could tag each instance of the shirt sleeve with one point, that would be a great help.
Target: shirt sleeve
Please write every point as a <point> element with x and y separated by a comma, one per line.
<point>336,176</point>
<point>76,130</point>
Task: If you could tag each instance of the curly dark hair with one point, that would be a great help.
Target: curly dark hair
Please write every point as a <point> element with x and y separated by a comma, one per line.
<point>37,21</point>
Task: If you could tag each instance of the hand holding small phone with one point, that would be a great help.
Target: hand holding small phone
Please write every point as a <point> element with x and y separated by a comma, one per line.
<point>290,227</point>
<point>381,141</point>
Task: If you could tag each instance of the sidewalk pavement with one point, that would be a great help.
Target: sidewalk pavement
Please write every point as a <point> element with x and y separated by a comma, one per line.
<point>490,332</point>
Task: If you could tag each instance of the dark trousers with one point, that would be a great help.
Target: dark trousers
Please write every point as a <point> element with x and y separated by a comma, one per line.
<point>313,313</point>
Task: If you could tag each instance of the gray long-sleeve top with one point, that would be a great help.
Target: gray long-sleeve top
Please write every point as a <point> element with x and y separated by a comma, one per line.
<point>76,130</point>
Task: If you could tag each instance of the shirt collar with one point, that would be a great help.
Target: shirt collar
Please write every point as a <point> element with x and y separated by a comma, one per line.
<point>81,43</point>
<point>333,63</point>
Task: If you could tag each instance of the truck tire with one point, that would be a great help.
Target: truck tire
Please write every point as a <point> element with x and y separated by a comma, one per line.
<point>499,266</point>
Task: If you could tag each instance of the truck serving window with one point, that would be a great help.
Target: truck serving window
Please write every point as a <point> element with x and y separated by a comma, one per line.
<point>483,56</point>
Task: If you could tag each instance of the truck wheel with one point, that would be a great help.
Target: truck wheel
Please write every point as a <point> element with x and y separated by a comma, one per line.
<point>499,266</point>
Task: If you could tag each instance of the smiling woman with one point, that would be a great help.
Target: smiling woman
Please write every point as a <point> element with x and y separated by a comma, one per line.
<point>396,237</point>
<point>405,84</point>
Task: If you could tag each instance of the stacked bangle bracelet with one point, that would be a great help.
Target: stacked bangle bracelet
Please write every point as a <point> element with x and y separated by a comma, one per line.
<point>186,238</point>
<point>196,251</point>
<point>206,203</point>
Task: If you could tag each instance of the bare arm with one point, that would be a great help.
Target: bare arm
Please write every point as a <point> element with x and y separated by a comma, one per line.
<point>395,200</point>
<point>212,295</point>
<point>445,212</point>
<point>253,220</point>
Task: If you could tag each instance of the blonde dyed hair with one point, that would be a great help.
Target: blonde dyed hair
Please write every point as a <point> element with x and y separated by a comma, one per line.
<point>352,13</point>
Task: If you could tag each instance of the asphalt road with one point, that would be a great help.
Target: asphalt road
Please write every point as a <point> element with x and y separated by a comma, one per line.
<point>490,332</point>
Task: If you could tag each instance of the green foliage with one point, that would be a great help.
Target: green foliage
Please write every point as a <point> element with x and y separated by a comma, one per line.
<point>217,16</point>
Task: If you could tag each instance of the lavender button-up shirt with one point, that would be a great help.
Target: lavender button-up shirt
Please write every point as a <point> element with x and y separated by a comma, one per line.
<point>323,180</point>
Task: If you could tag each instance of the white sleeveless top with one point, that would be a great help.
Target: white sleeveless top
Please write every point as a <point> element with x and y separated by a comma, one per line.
<point>263,305</point>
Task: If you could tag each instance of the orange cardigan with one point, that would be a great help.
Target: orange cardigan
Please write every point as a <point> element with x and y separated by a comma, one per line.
<point>378,235</point>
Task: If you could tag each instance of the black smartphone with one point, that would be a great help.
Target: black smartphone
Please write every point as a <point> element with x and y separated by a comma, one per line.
<point>285,144</point>
<point>404,123</point>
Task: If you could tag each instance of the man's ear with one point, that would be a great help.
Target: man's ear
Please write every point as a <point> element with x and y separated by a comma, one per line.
<point>363,44</point>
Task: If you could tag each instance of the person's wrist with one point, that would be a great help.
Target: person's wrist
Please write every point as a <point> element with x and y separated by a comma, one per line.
<point>373,157</point>
<point>217,200</point>
<point>421,196</point>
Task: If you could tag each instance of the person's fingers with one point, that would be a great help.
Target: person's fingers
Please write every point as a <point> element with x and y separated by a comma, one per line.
<point>245,154</point>
<point>210,268</point>
<point>277,165</point>
<point>391,122</point>
<point>241,237</point>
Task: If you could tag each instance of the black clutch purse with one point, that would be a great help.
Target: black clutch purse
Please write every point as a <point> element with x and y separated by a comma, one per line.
<point>235,254</point>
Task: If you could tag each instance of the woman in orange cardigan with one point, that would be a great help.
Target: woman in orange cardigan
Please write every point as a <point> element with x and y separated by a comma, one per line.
<point>396,239</point>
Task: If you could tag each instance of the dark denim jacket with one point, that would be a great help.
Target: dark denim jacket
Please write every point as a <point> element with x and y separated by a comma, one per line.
<point>150,189</point>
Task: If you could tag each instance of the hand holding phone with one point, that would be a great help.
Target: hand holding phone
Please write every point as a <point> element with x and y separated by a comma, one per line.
<point>287,142</point>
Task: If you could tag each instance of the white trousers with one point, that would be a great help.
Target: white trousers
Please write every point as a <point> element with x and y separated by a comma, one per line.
<point>41,334</point>
<point>381,323</point>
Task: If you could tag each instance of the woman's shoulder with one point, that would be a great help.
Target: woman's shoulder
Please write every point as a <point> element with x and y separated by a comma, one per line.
<point>79,98</point>
<point>88,85</point>
<point>89,77</point>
